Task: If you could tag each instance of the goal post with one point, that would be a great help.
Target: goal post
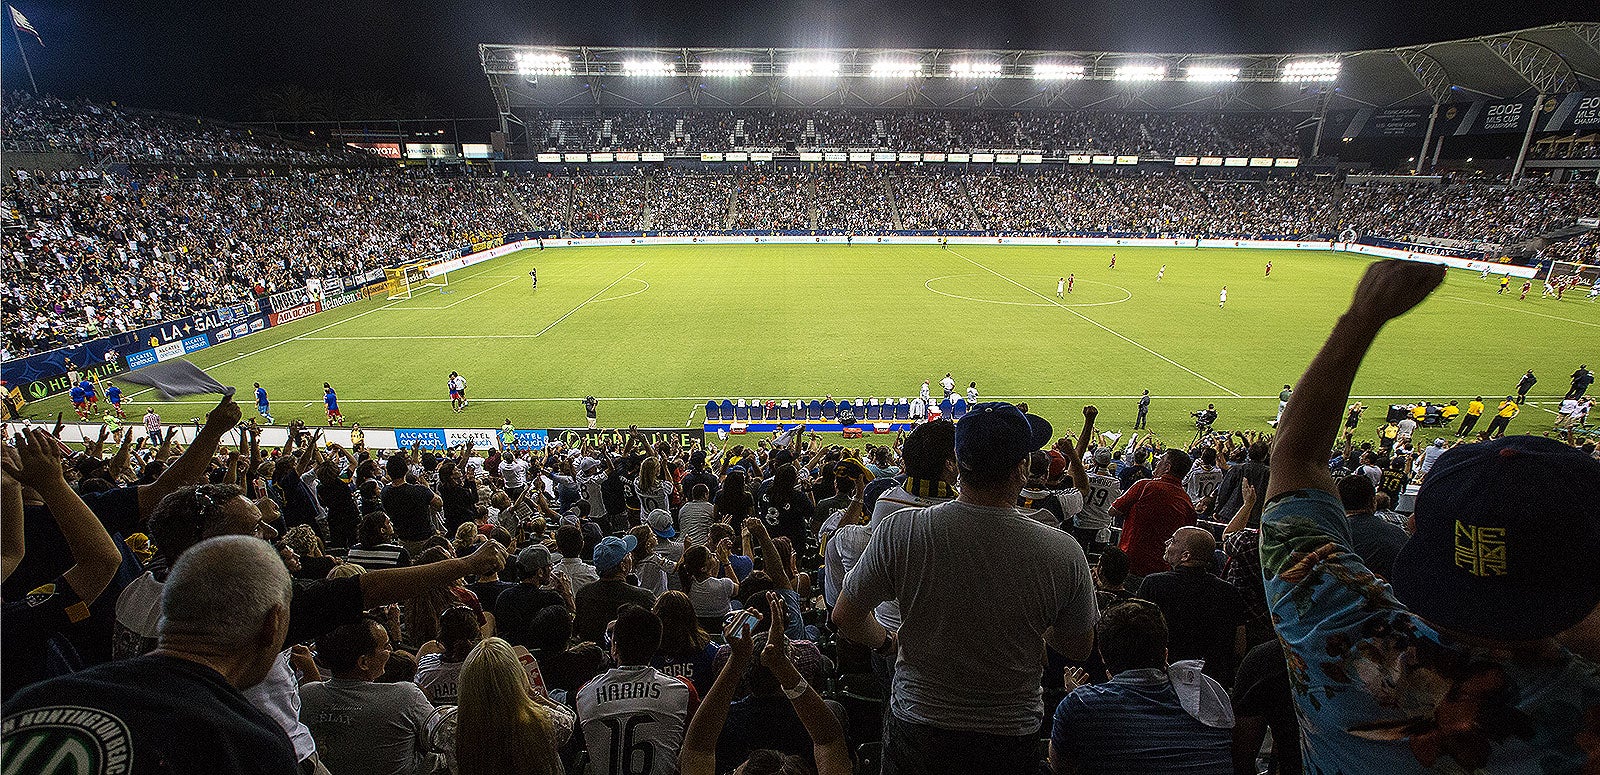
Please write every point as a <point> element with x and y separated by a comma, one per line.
<point>407,279</point>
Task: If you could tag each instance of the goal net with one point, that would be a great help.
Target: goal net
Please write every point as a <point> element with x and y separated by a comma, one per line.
<point>1581,275</point>
<point>403,281</point>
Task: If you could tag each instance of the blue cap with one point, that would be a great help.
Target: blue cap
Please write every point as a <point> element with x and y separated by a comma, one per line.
<point>996,436</point>
<point>1507,532</point>
<point>660,522</point>
<point>609,553</point>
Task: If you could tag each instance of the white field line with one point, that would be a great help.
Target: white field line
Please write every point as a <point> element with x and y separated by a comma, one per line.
<point>1518,309</point>
<point>457,301</point>
<point>585,302</point>
<point>700,400</point>
<point>1101,326</point>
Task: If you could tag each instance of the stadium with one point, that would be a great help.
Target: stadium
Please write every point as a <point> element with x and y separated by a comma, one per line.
<point>779,274</point>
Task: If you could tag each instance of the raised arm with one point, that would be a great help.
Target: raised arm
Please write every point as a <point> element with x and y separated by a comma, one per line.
<point>1311,419</point>
<point>392,585</point>
<point>827,737</point>
<point>771,561</point>
<point>12,543</point>
<point>190,467</point>
<point>94,555</point>
<point>698,755</point>
<point>1080,477</point>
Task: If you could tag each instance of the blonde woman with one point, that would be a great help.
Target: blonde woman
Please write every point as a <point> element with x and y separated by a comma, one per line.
<point>655,492</point>
<point>501,726</point>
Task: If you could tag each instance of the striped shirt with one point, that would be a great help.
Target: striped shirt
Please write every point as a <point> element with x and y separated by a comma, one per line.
<point>379,556</point>
<point>1134,724</point>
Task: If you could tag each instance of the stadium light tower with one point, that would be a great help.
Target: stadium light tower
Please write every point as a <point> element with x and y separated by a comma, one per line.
<point>537,63</point>
<point>1057,71</point>
<point>891,68</point>
<point>648,67</point>
<point>1210,73</point>
<point>1141,73</point>
<point>818,68</point>
<point>1311,71</point>
<point>975,69</point>
<point>727,68</point>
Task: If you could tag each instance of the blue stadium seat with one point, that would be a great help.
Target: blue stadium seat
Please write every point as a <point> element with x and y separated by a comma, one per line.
<point>713,412</point>
<point>814,410</point>
<point>741,413</point>
<point>902,410</point>
<point>785,411</point>
<point>727,411</point>
<point>945,408</point>
<point>874,412</point>
<point>960,409</point>
<point>829,410</point>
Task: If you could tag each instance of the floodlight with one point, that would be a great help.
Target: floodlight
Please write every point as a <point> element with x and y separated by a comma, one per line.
<point>727,68</point>
<point>1210,73</point>
<point>1056,71</point>
<point>1308,70</point>
<point>1141,72</point>
<point>536,63</point>
<point>975,70</point>
<point>812,69</point>
<point>648,67</point>
<point>888,68</point>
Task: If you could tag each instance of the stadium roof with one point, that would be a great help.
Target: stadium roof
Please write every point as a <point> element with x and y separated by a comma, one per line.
<point>1552,59</point>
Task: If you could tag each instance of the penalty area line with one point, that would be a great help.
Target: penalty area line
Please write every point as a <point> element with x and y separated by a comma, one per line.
<point>585,302</point>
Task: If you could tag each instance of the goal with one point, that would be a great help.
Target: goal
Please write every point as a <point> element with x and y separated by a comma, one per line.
<point>1586,274</point>
<point>405,280</point>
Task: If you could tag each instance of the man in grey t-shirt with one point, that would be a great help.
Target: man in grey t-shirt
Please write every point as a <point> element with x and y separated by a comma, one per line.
<point>980,585</point>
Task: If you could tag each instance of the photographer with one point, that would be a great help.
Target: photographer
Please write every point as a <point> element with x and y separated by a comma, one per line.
<point>1205,418</point>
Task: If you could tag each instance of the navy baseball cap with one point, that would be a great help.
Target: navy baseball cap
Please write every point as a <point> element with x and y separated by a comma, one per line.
<point>609,553</point>
<point>1506,536</point>
<point>996,436</point>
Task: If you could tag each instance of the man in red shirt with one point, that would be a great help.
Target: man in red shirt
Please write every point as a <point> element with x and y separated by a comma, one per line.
<point>1151,510</point>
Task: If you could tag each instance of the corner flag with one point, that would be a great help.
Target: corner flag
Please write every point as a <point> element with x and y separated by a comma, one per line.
<point>21,23</point>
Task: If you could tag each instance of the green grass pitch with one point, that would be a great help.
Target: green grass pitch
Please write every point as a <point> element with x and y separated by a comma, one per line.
<point>653,331</point>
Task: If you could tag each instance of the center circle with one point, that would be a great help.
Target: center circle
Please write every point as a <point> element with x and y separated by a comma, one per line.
<point>1045,290</point>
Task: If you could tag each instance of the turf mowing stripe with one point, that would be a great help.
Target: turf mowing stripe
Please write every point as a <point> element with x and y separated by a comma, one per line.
<point>1099,325</point>
<point>591,298</point>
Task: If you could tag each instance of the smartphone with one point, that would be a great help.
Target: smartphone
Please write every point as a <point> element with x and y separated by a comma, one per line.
<point>748,622</point>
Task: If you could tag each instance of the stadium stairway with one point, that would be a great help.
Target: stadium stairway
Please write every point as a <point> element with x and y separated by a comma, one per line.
<point>894,206</point>
<point>522,207</point>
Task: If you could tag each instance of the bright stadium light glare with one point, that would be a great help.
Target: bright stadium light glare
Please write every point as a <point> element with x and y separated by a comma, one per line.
<point>1056,71</point>
<point>727,69</point>
<point>975,70</point>
<point>534,63</point>
<point>889,68</point>
<point>812,69</point>
<point>1210,73</point>
<point>648,67</point>
<point>1141,72</point>
<point>1310,70</point>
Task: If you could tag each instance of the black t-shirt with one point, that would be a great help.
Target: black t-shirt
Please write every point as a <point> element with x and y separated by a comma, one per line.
<point>1261,688</point>
<point>408,507</point>
<point>789,518</point>
<point>31,645</point>
<point>1203,614</point>
<point>489,591</point>
<point>515,608</point>
<point>598,602</point>
<point>150,715</point>
<point>699,477</point>
<point>460,504</point>
<point>319,607</point>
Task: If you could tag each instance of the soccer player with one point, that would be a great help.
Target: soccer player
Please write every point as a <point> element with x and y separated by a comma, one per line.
<point>89,393</point>
<point>949,385</point>
<point>1485,274</point>
<point>533,274</point>
<point>456,402</point>
<point>1283,401</point>
<point>80,402</point>
<point>114,395</point>
<point>1160,273</point>
<point>925,394</point>
<point>1070,280</point>
<point>972,393</point>
<point>590,404</point>
<point>1222,299</point>
<point>263,408</point>
<point>1505,282</point>
<point>331,400</point>
<point>1594,291</point>
<point>1527,285</point>
<point>1502,418</point>
<point>1113,261</point>
<point>1269,270</point>
<point>1061,287</point>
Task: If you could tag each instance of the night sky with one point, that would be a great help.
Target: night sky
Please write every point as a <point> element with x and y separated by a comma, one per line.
<point>212,59</point>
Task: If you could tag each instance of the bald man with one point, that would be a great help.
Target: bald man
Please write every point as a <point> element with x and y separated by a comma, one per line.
<point>1205,615</point>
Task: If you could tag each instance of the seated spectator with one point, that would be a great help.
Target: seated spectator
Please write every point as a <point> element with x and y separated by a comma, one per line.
<point>696,515</point>
<point>649,570</point>
<point>502,726</point>
<point>1375,540</point>
<point>226,613</point>
<point>569,542</point>
<point>1150,510</point>
<point>439,661</point>
<point>1487,638</point>
<point>647,708</point>
<point>377,548</point>
<point>307,545</point>
<point>1151,717</point>
<point>742,564</point>
<point>708,581</point>
<point>361,725</point>
<point>597,604</point>
<point>1110,573</point>
<point>685,650</point>
<point>1204,615</point>
<point>515,608</point>
<point>565,666</point>
<point>668,547</point>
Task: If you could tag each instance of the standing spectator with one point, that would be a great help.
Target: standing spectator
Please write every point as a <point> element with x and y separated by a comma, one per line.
<point>459,496</point>
<point>1256,465</point>
<point>1151,510</point>
<point>653,490</point>
<point>1154,715</point>
<point>699,475</point>
<point>1205,615</point>
<point>516,607</point>
<point>377,548</point>
<point>364,727</point>
<point>597,604</point>
<point>335,495</point>
<point>708,579</point>
<point>1489,594</point>
<point>966,690</point>
<point>1374,540</point>
<point>409,505</point>
<point>787,510</point>
<point>634,710</point>
<point>696,515</point>
<point>226,613</point>
<point>569,542</point>
<point>1263,703</point>
<point>1241,565</point>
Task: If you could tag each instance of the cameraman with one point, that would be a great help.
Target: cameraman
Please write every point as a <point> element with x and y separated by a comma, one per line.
<point>1205,418</point>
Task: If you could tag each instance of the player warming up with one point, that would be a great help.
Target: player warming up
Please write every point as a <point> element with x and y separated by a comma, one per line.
<point>458,392</point>
<point>114,395</point>
<point>1113,261</point>
<point>1061,286</point>
<point>1269,270</point>
<point>1070,280</point>
<point>262,407</point>
<point>1527,285</point>
<point>1160,273</point>
<point>331,400</point>
<point>1222,299</point>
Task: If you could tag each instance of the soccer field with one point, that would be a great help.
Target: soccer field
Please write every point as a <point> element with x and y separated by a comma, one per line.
<point>654,331</point>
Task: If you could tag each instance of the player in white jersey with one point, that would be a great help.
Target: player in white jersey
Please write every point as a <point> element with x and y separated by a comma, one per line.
<point>1092,525</point>
<point>634,716</point>
<point>1160,273</point>
<point>1203,478</point>
<point>1061,287</point>
<point>948,383</point>
<point>1222,300</point>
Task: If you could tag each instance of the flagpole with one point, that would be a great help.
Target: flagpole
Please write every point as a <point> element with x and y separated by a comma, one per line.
<point>12,20</point>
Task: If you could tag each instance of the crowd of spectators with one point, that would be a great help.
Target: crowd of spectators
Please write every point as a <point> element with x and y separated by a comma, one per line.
<point>686,201</point>
<point>105,132</point>
<point>1475,212</point>
<point>1164,134</point>
<point>994,595</point>
<point>853,199</point>
<point>933,199</point>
